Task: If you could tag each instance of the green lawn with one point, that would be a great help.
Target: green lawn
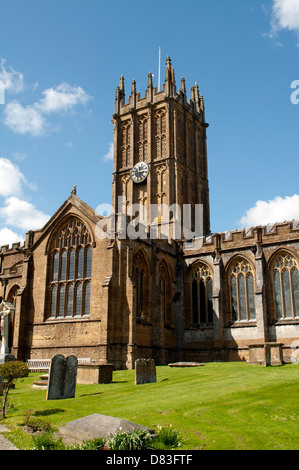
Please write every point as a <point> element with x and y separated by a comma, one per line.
<point>222,406</point>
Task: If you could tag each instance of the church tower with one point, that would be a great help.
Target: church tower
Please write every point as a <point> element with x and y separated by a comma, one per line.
<point>160,152</point>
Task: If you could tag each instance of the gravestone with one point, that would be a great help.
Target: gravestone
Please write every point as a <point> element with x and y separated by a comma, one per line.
<point>266,354</point>
<point>62,377</point>
<point>145,371</point>
<point>95,373</point>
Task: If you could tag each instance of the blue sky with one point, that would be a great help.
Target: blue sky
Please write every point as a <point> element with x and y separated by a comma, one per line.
<point>60,63</point>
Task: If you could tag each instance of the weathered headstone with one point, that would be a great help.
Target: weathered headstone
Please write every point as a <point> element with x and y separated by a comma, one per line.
<point>62,377</point>
<point>145,371</point>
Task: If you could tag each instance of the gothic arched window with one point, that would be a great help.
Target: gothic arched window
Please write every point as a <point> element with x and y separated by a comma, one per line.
<point>140,279</point>
<point>164,285</point>
<point>70,271</point>
<point>285,277</point>
<point>202,295</point>
<point>241,286</point>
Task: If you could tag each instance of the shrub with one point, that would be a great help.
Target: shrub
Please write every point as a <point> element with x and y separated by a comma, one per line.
<point>137,440</point>
<point>45,441</point>
<point>34,424</point>
<point>94,444</point>
<point>10,371</point>
<point>166,437</point>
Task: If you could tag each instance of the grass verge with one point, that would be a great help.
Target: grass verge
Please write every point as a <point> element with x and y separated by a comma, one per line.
<point>223,406</point>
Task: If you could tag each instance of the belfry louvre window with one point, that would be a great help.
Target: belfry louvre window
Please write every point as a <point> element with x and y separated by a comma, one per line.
<point>70,271</point>
<point>242,303</point>
<point>202,293</point>
<point>285,272</point>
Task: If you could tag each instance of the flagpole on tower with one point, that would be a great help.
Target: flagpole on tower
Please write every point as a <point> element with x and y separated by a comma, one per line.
<point>159,75</point>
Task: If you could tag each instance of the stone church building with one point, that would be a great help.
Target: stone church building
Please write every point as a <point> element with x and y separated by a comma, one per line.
<point>212,297</point>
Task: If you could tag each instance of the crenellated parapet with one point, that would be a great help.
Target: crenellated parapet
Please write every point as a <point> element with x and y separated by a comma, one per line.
<point>247,238</point>
<point>13,249</point>
<point>166,131</point>
<point>195,104</point>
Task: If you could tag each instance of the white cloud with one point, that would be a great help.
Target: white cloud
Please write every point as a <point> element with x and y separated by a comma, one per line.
<point>8,237</point>
<point>109,154</point>
<point>24,120</point>
<point>15,212</point>
<point>269,212</point>
<point>285,15</point>
<point>31,119</point>
<point>61,99</point>
<point>11,178</point>
<point>12,80</point>
<point>22,214</point>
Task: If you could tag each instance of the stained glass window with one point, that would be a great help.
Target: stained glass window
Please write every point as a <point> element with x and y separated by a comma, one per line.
<point>285,286</point>
<point>70,300</point>
<point>88,261</point>
<point>234,298</point>
<point>87,298</point>
<point>250,295</point>
<point>72,264</point>
<point>61,301</point>
<point>194,302</point>
<point>71,255</point>
<point>55,266</point>
<point>242,303</point>
<point>202,294</point>
<point>295,287</point>
<point>80,263</point>
<point>78,299</point>
<point>53,301</point>
<point>63,266</point>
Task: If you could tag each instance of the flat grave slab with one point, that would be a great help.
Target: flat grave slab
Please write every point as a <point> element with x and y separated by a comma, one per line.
<point>95,426</point>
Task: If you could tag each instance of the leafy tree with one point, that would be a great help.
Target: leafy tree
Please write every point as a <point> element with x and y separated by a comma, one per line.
<point>10,371</point>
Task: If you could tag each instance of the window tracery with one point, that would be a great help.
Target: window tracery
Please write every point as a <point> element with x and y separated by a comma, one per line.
<point>70,271</point>
<point>202,295</point>
<point>241,283</point>
<point>285,276</point>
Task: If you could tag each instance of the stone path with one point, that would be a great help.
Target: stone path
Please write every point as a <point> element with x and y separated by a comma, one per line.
<point>5,444</point>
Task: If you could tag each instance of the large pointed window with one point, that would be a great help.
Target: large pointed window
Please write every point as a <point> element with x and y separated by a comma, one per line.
<point>202,295</point>
<point>140,275</point>
<point>241,291</point>
<point>70,271</point>
<point>165,292</point>
<point>285,278</point>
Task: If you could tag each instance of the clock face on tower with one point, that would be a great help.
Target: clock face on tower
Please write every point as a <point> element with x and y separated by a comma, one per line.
<point>139,172</point>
